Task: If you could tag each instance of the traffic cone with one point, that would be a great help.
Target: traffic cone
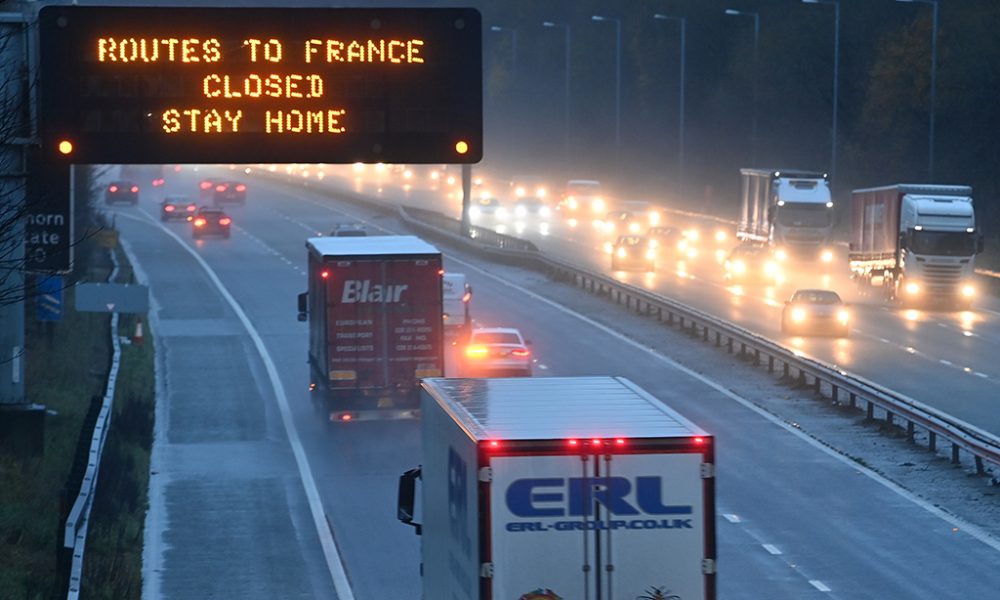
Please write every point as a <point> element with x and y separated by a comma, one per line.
<point>137,337</point>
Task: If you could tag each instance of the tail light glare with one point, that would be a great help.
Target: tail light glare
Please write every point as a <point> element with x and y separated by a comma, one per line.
<point>619,442</point>
<point>595,442</point>
<point>324,274</point>
<point>241,188</point>
<point>220,188</point>
<point>466,297</point>
<point>521,352</point>
<point>574,443</point>
<point>199,222</point>
<point>346,417</point>
<point>476,351</point>
<point>205,185</point>
<point>169,208</point>
<point>440,271</point>
<point>191,208</point>
<point>134,189</point>
<point>699,440</point>
<point>225,221</point>
<point>494,444</point>
<point>113,189</point>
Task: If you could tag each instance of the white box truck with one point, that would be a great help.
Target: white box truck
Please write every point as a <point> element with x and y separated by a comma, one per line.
<point>560,488</point>
<point>789,211</point>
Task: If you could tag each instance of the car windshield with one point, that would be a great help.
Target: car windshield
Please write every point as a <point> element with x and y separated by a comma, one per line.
<point>805,216</point>
<point>816,297</point>
<point>943,243</point>
<point>496,337</point>
<point>630,240</point>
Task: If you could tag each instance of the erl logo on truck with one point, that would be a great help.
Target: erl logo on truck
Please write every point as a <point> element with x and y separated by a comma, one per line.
<point>575,497</point>
<point>356,290</point>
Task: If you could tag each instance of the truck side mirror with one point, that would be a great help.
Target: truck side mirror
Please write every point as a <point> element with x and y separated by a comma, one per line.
<point>980,243</point>
<point>303,306</point>
<point>406,497</point>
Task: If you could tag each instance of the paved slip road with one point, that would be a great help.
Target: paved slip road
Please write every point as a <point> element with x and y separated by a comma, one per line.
<point>229,512</point>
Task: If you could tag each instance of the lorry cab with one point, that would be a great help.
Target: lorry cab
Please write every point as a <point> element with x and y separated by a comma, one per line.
<point>791,211</point>
<point>457,294</point>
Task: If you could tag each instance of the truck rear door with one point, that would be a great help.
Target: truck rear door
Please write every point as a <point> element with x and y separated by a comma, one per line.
<point>355,324</point>
<point>609,526</point>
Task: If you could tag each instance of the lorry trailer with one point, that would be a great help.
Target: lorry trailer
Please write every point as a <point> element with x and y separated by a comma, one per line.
<point>374,306</point>
<point>560,488</point>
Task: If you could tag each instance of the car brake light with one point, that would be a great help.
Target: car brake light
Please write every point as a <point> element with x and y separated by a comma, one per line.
<point>157,182</point>
<point>324,274</point>
<point>699,440</point>
<point>225,221</point>
<point>241,188</point>
<point>135,189</point>
<point>573,442</point>
<point>220,188</point>
<point>346,417</point>
<point>466,297</point>
<point>440,271</point>
<point>169,208</point>
<point>113,189</point>
<point>522,352</point>
<point>199,222</point>
<point>494,444</point>
<point>476,351</point>
<point>191,208</point>
<point>620,441</point>
<point>595,442</point>
<point>205,185</point>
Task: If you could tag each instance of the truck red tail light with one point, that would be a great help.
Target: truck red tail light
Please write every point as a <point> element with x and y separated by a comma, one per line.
<point>699,440</point>
<point>134,189</point>
<point>113,189</point>
<point>324,274</point>
<point>619,442</point>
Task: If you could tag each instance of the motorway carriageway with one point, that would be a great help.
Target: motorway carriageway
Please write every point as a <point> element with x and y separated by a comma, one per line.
<point>943,359</point>
<point>254,496</point>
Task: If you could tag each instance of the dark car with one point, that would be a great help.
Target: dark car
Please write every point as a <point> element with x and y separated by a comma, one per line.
<point>815,312</point>
<point>229,191</point>
<point>752,264</point>
<point>210,221</point>
<point>531,207</point>
<point>177,208</point>
<point>349,230</point>
<point>664,238</point>
<point>122,191</point>
<point>632,253</point>
<point>206,190</point>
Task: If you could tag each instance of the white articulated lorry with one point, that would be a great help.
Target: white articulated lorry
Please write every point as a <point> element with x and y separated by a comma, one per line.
<point>560,488</point>
<point>789,211</point>
<point>918,242</point>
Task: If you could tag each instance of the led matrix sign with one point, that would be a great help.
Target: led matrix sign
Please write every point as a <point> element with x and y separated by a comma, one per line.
<point>250,85</point>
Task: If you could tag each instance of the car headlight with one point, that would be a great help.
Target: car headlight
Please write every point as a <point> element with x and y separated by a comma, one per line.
<point>598,205</point>
<point>650,254</point>
<point>682,245</point>
<point>502,213</point>
<point>798,315</point>
<point>720,236</point>
<point>572,203</point>
<point>912,288</point>
<point>520,192</point>
<point>968,291</point>
<point>843,316</point>
<point>545,212</point>
<point>770,267</point>
<point>654,218</point>
<point>739,266</point>
<point>540,192</point>
<point>826,256</point>
<point>520,211</point>
<point>474,212</point>
<point>633,227</point>
<point>622,253</point>
<point>692,253</point>
<point>781,254</point>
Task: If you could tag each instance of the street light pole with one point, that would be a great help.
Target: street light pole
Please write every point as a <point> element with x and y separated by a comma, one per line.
<point>933,91</point>
<point>618,85</point>
<point>566,27</point>
<point>836,77</point>
<point>756,76</point>
<point>680,102</point>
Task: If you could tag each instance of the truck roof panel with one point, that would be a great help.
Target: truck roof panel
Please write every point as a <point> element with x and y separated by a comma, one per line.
<point>922,188</point>
<point>373,245</point>
<point>557,408</point>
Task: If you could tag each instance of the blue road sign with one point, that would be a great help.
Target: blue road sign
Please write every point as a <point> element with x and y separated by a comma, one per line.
<point>50,298</point>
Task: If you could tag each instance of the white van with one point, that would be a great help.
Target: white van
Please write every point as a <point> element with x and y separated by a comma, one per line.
<point>457,294</point>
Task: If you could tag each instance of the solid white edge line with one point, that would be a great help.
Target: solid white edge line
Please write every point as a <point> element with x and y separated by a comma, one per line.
<point>955,521</point>
<point>732,518</point>
<point>819,585</point>
<point>771,549</point>
<point>334,563</point>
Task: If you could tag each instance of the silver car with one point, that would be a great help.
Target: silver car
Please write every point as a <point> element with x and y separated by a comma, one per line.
<point>815,312</point>
<point>495,352</point>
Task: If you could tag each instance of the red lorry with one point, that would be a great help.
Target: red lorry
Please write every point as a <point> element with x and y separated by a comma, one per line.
<point>374,307</point>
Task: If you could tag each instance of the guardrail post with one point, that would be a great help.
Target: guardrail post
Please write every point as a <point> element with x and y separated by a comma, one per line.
<point>910,430</point>
<point>854,400</point>
<point>729,345</point>
<point>932,441</point>
<point>835,393</point>
<point>704,333</point>
<point>718,339</point>
<point>980,470</point>
<point>785,374</point>
<point>802,378</point>
<point>756,358</point>
<point>888,418</point>
<point>659,313</point>
<point>743,349</point>
<point>870,413</point>
<point>770,364</point>
<point>954,454</point>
